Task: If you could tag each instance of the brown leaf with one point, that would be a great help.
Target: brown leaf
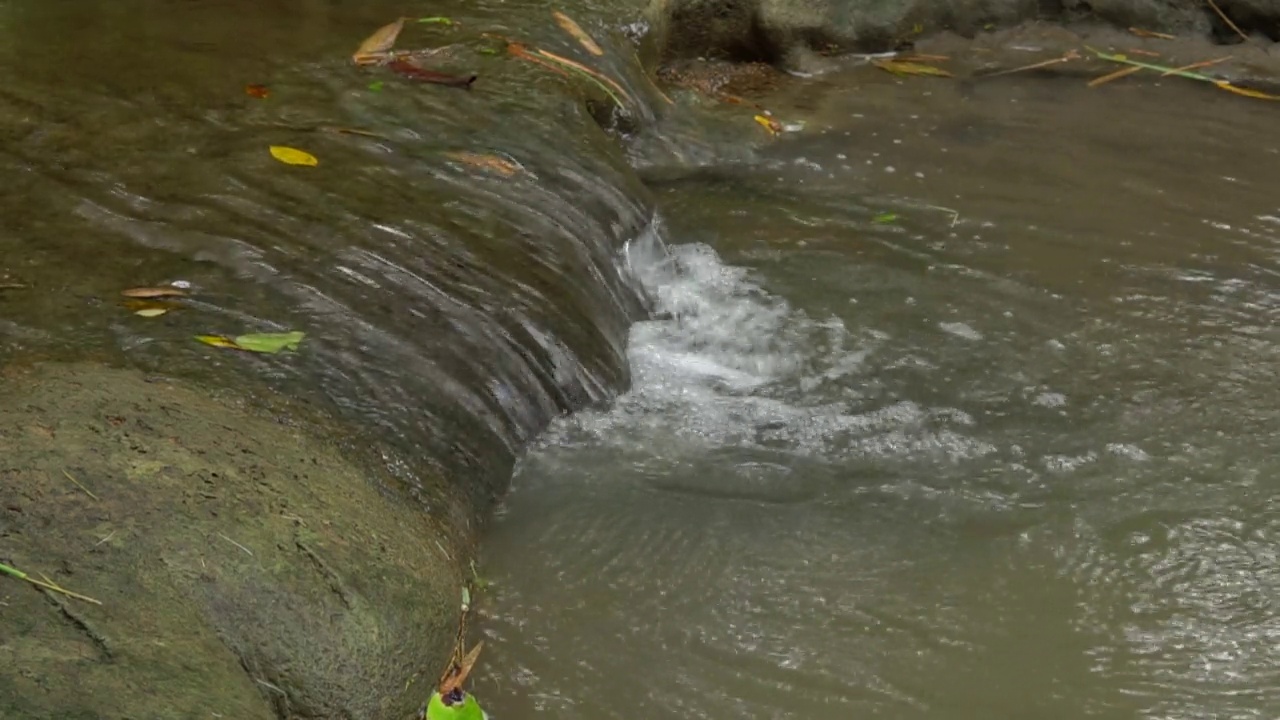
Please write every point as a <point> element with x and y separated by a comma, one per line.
<point>1150,34</point>
<point>413,72</point>
<point>153,292</point>
<point>519,51</point>
<point>502,166</point>
<point>382,40</point>
<point>567,24</point>
<point>1122,72</point>
<point>457,673</point>
<point>257,90</point>
<point>910,68</point>
<point>584,69</point>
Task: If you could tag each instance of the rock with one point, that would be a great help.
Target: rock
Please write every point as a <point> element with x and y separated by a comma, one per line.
<point>788,32</point>
<point>246,569</point>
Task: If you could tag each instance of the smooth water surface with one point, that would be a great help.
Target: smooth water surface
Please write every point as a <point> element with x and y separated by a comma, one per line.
<point>1010,453</point>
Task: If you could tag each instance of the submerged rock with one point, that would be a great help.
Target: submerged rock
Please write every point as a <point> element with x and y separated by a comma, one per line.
<point>246,568</point>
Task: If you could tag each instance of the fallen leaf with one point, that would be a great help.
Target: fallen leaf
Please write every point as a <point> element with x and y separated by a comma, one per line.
<point>151,312</point>
<point>257,90</point>
<point>503,167</point>
<point>376,86</point>
<point>1122,72</point>
<point>293,156</point>
<point>382,40</point>
<point>270,342</point>
<point>596,74</point>
<point>435,21</point>
<point>351,131</point>
<point>773,126</point>
<point>153,292</point>
<point>459,669</point>
<point>1150,34</point>
<point>218,341</point>
<point>567,24</point>
<point>885,218</point>
<point>413,72</point>
<point>910,68</point>
<point>1247,92</point>
<point>519,51</point>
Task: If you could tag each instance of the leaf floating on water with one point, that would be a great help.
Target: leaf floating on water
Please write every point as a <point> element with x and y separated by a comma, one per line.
<point>376,86</point>
<point>220,341</point>
<point>151,312</point>
<point>898,67</point>
<point>773,126</point>
<point>383,39</point>
<point>153,292</point>
<point>435,21</point>
<point>270,342</point>
<point>293,156</point>
<point>885,218</point>
<point>568,24</point>
<point>257,90</point>
<point>502,166</point>
<point>1247,92</point>
<point>413,72</point>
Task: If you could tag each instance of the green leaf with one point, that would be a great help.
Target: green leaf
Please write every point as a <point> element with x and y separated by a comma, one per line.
<point>270,342</point>
<point>468,709</point>
<point>436,20</point>
<point>885,218</point>
<point>376,86</point>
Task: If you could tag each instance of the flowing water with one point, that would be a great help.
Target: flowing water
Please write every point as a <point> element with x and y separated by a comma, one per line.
<point>1009,453</point>
<point>957,404</point>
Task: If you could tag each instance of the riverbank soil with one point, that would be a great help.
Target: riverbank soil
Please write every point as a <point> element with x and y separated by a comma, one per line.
<point>245,569</point>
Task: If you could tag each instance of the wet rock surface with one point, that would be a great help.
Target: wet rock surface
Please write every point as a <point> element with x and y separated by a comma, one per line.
<point>246,569</point>
<point>797,33</point>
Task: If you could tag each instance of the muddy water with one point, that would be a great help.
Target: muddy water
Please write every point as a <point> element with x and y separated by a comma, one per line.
<point>1008,454</point>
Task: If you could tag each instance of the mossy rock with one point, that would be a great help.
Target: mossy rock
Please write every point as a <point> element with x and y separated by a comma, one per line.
<point>246,567</point>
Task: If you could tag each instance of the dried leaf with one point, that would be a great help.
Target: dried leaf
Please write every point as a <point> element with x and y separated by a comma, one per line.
<point>457,673</point>
<point>1122,72</point>
<point>270,342</point>
<point>1247,92</point>
<point>502,166</point>
<point>293,156</point>
<point>519,51</point>
<point>567,24</point>
<point>382,40</point>
<point>1196,66</point>
<point>153,292</point>
<point>257,90</point>
<point>151,312</point>
<point>413,72</point>
<point>218,341</point>
<point>773,126</point>
<point>588,71</point>
<point>910,68</point>
<point>1150,34</point>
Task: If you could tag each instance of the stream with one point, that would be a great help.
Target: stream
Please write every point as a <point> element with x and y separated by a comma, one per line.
<point>954,404</point>
<point>1004,455</point>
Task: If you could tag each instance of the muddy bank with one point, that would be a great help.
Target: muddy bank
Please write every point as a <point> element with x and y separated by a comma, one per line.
<point>246,568</point>
<point>797,35</point>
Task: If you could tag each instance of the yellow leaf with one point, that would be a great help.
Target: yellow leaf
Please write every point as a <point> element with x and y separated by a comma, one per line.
<point>898,67</point>
<point>151,312</point>
<point>1245,91</point>
<point>293,156</point>
<point>382,40</point>
<point>567,24</point>
<point>773,126</point>
<point>153,292</point>
<point>218,341</point>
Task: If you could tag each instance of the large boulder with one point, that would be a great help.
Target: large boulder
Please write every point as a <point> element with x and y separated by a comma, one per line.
<point>246,568</point>
<point>790,32</point>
